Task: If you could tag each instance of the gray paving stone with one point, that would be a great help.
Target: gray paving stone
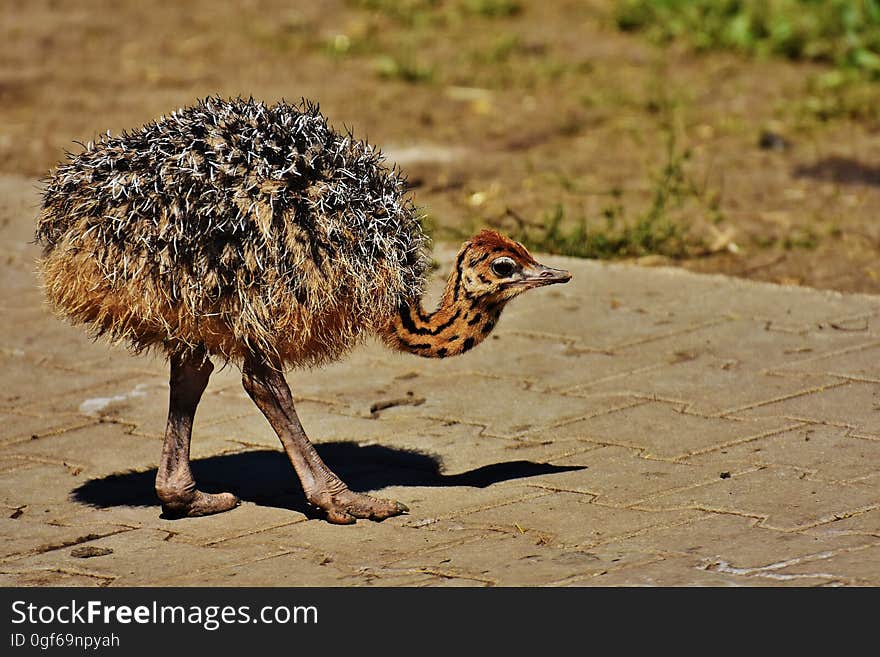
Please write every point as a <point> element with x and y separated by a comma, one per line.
<point>784,497</point>
<point>851,404</point>
<point>828,453</point>
<point>662,430</point>
<point>636,427</point>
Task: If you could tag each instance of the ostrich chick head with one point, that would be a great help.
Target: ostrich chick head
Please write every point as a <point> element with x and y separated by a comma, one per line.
<point>490,270</point>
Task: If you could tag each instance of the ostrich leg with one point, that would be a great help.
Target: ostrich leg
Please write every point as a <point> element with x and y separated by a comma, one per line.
<point>174,481</point>
<point>269,390</point>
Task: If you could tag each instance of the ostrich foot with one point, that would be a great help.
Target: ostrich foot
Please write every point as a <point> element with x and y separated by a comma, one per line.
<point>344,507</point>
<point>196,503</point>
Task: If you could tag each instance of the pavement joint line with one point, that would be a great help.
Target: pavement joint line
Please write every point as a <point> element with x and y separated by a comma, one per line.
<point>377,573</point>
<point>438,547</point>
<point>647,456</point>
<point>843,351</point>
<point>855,378</point>
<point>40,360</point>
<point>573,420</point>
<point>205,423</point>
<point>713,416</point>
<point>249,445</point>
<point>40,435</point>
<point>610,443</point>
<point>323,401</point>
<point>584,387</point>
<point>262,530</point>
<point>816,475</point>
<point>18,467</point>
<point>130,427</point>
<point>486,507</point>
<point>824,520</point>
<point>599,413</point>
<point>806,421</point>
<point>53,547</point>
<point>448,421</point>
<point>484,428</point>
<point>39,459</point>
<point>569,453</point>
<point>700,484</point>
<point>562,489</point>
<point>850,532</point>
<point>144,434</point>
<point>550,337</point>
<point>515,529</point>
<point>759,517</point>
<point>531,385</point>
<point>643,453</point>
<point>779,328</point>
<point>781,373</point>
<point>106,579</point>
<point>572,344</point>
<point>32,414</point>
<point>639,451</point>
<point>857,480</point>
<point>799,424</point>
<point>862,436</point>
<point>693,328</point>
<point>265,557</point>
<point>680,406</point>
<point>782,398</point>
<point>838,323</point>
<point>455,375</point>
<point>580,577</point>
<point>453,574</point>
<point>610,540</point>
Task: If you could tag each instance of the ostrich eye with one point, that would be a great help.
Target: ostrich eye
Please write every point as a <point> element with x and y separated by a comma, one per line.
<point>503,267</point>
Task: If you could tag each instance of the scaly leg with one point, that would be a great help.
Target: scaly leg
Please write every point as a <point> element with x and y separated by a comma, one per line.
<point>323,489</point>
<point>174,481</point>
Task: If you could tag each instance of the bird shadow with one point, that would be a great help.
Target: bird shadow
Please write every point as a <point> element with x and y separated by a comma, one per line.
<point>265,477</point>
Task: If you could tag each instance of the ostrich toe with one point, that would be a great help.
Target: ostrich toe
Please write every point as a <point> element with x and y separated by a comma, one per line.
<point>198,504</point>
<point>345,507</point>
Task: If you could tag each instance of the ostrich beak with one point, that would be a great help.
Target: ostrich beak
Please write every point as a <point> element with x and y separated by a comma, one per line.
<point>539,275</point>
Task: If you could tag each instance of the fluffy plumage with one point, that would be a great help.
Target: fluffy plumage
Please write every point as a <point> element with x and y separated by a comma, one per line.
<point>231,226</point>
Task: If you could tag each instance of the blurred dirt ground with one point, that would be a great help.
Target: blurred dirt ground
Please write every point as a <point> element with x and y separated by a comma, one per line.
<point>494,109</point>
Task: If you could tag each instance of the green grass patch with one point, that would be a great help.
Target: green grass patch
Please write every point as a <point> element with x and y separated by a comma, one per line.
<point>491,8</point>
<point>649,234</point>
<point>842,32</point>
<point>658,230</point>
<point>841,94</point>
<point>421,13</point>
<point>405,66</point>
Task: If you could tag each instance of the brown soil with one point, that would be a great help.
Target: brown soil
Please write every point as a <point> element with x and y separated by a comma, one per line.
<point>550,106</point>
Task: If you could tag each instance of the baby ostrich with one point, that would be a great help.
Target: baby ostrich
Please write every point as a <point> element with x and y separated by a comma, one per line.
<point>257,235</point>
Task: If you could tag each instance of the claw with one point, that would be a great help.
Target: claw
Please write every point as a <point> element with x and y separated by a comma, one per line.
<point>344,507</point>
<point>338,517</point>
<point>199,504</point>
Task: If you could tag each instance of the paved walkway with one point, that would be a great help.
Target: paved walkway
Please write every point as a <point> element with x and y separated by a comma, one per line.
<point>635,427</point>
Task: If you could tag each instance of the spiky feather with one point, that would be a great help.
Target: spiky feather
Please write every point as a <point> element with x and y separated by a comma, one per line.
<point>235,227</point>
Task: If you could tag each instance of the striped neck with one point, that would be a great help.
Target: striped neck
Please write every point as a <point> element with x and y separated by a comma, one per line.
<point>460,323</point>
